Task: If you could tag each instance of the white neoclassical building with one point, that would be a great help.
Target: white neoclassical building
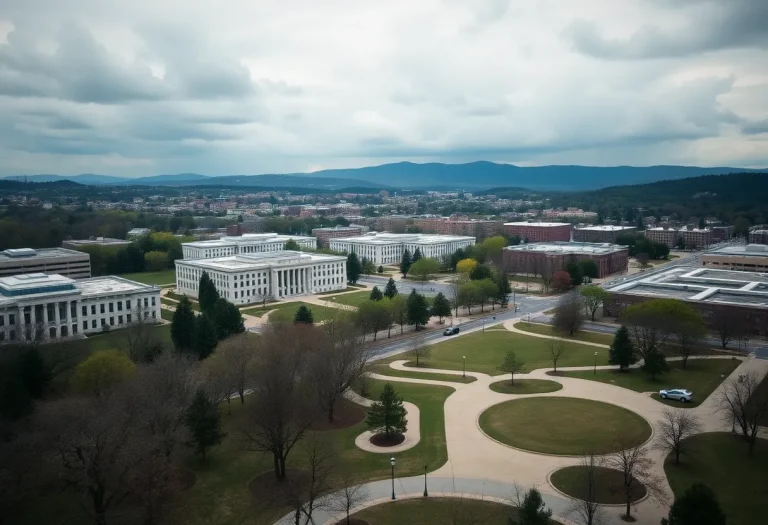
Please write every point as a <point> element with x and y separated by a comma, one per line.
<point>250,278</point>
<point>48,307</point>
<point>388,248</point>
<point>244,244</point>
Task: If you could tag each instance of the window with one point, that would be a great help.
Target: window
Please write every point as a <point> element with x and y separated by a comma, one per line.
<point>128,318</point>
<point>85,325</point>
<point>119,319</point>
<point>2,320</point>
<point>111,307</point>
<point>153,314</point>
<point>2,336</point>
<point>93,309</point>
<point>12,335</point>
<point>146,302</point>
<point>93,323</point>
<point>74,328</point>
<point>128,305</point>
<point>111,321</point>
<point>85,310</point>
<point>119,306</point>
<point>11,319</point>
<point>235,295</point>
<point>101,308</point>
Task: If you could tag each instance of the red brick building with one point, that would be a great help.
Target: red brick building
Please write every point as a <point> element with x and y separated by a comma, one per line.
<point>551,257</point>
<point>601,233</point>
<point>692,237</point>
<point>480,229</point>
<point>540,231</point>
<point>324,235</point>
<point>758,237</point>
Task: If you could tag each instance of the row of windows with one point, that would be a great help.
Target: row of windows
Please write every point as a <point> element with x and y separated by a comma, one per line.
<point>103,307</point>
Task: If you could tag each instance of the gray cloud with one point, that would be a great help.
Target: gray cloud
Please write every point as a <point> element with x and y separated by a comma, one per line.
<point>711,25</point>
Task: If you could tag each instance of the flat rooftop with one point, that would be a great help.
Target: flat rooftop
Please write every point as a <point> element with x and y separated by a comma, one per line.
<point>405,238</point>
<point>703,285</point>
<point>538,224</point>
<point>102,241</point>
<point>337,229</point>
<point>751,250</point>
<point>260,261</point>
<point>247,238</point>
<point>43,284</point>
<point>25,254</point>
<point>568,248</point>
<point>694,230</point>
<point>604,228</point>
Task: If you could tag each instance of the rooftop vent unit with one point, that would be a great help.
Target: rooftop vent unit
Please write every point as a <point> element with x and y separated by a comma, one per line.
<point>20,252</point>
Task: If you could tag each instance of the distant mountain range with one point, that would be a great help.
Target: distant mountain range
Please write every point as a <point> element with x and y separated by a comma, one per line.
<point>407,175</point>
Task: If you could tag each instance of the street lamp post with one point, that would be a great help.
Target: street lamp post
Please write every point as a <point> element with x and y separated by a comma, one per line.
<point>594,372</point>
<point>463,366</point>
<point>392,462</point>
<point>425,482</point>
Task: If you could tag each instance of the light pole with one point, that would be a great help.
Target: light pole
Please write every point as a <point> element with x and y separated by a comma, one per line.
<point>463,366</point>
<point>392,462</point>
<point>594,372</point>
<point>425,482</point>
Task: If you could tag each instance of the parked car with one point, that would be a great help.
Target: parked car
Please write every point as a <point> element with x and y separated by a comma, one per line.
<point>678,394</point>
<point>451,331</point>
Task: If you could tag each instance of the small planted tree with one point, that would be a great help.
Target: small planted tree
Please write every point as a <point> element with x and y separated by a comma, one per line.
<point>511,365</point>
<point>441,307</point>
<point>655,364</point>
<point>417,310</point>
<point>376,294</point>
<point>622,352</point>
<point>568,316</point>
<point>204,423</point>
<point>405,263</point>
<point>594,297</point>
<point>391,289</point>
<point>419,349</point>
<point>636,468</point>
<point>351,494</point>
<point>387,415</point>
<point>531,509</point>
<point>745,405</point>
<point>380,269</point>
<point>101,372</point>
<point>697,506</point>
<point>303,315</point>
<point>556,351</point>
<point>561,281</point>
<point>675,427</point>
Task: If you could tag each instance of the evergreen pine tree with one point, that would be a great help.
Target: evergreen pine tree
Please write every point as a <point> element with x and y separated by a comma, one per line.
<point>206,293</point>
<point>303,315</point>
<point>441,307</point>
<point>418,311</point>
<point>622,352</point>
<point>532,510</point>
<point>697,506</point>
<point>387,415</point>
<point>391,289</point>
<point>204,422</point>
<point>504,288</point>
<point>183,326</point>
<point>354,268</point>
<point>405,262</point>
<point>655,364</point>
<point>33,372</point>
<point>380,269</point>
<point>416,255</point>
<point>205,339</point>
<point>376,294</point>
<point>227,319</point>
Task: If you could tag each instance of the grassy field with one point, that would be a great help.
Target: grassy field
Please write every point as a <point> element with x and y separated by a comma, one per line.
<point>609,483</point>
<point>721,462</point>
<point>319,313</point>
<point>485,352</point>
<point>545,329</point>
<point>701,376</point>
<point>351,299</point>
<point>525,386</point>
<point>538,424</point>
<point>427,511</point>
<point>385,370</point>
<point>158,278</point>
<point>166,314</point>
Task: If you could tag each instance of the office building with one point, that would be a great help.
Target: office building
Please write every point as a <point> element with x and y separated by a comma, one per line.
<point>758,236</point>
<point>710,291</point>
<point>722,233</point>
<point>324,235</point>
<point>740,257</point>
<point>244,244</point>
<point>691,238</point>
<point>551,257</point>
<point>69,263</point>
<point>601,233</point>
<point>539,231</point>
<point>388,248</point>
<point>135,233</point>
<point>253,277</point>
<point>48,307</point>
<point>94,241</point>
<point>477,228</point>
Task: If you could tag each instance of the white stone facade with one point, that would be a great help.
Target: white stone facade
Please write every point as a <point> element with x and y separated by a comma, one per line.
<point>388,248</point>
<point>251,278</point>
<point>244,244</point>
<point>48,307</point>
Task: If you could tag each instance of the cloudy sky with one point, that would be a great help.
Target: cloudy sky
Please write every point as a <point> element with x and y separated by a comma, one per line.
<point>139,87</point>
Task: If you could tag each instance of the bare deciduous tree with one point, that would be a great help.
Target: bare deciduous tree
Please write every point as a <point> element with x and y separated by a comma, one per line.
<point>675,427</point>
<point>351,494</point>
<point>637,468</point>
<point>234,356</point>
<point>745,405</point>
<point>418,348</point>
<point>569,314</point>
<point>588,510</point>
<point>556,350</point>
<point>728,324</point>
<point>140,340</point>
<point>305,492</point>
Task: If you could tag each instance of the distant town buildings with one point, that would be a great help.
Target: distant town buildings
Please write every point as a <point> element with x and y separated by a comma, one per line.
<point>569,214</point>
<point>254,277</point>
<point>711,291</point>
<point>689,237</point>
<point>94,241</point>
<point>388,248</point>
<point>539,231</point>
<point>480,229</point>
<point>740,257</point>
<point>69,263</point>
<point>138,232</point>
<point>245,244</point>
<point>722,233</point>
<point>759,236</point>
<point>47,307</point>
<point>550,257</point>
<point>324,235</point>
<point>601,233</point>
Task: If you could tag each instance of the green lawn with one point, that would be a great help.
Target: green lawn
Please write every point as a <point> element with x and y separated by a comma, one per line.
<point>545,329</point>
<point>386,370</point>
<point>166,314</point>
<point>564,425</point>
<point>485,351</point>
<point>352,299</point>
<point>701,376</point>
<point>158,278</point>
<point>427,511</point>
<point>525,386</point>
<point>609,484</point>
<point>721,462</point>
<point>319,313</point>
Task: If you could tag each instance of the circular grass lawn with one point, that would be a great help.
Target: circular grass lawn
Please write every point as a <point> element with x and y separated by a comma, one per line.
<point>426,511</point>
<point>526,386</point>
<point>564,426</point>
<point>609,484</point>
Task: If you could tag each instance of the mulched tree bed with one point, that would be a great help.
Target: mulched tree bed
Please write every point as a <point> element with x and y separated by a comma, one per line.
<point>380,440</point>
<point>345,414</point>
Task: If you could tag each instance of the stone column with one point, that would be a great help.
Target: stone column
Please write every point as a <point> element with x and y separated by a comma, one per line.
<point>45,315</point>
<point>68,316</point>
<point>56,314</point>
<point>32,318</point>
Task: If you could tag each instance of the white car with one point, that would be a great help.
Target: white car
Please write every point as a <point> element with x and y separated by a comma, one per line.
<point>677,394</point>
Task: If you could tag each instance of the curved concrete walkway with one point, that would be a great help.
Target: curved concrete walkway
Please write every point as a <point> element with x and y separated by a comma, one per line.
<point>412,434</point>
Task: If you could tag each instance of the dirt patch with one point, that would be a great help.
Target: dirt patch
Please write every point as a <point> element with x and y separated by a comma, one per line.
<point>345,414</point>
<point>380,440</point>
